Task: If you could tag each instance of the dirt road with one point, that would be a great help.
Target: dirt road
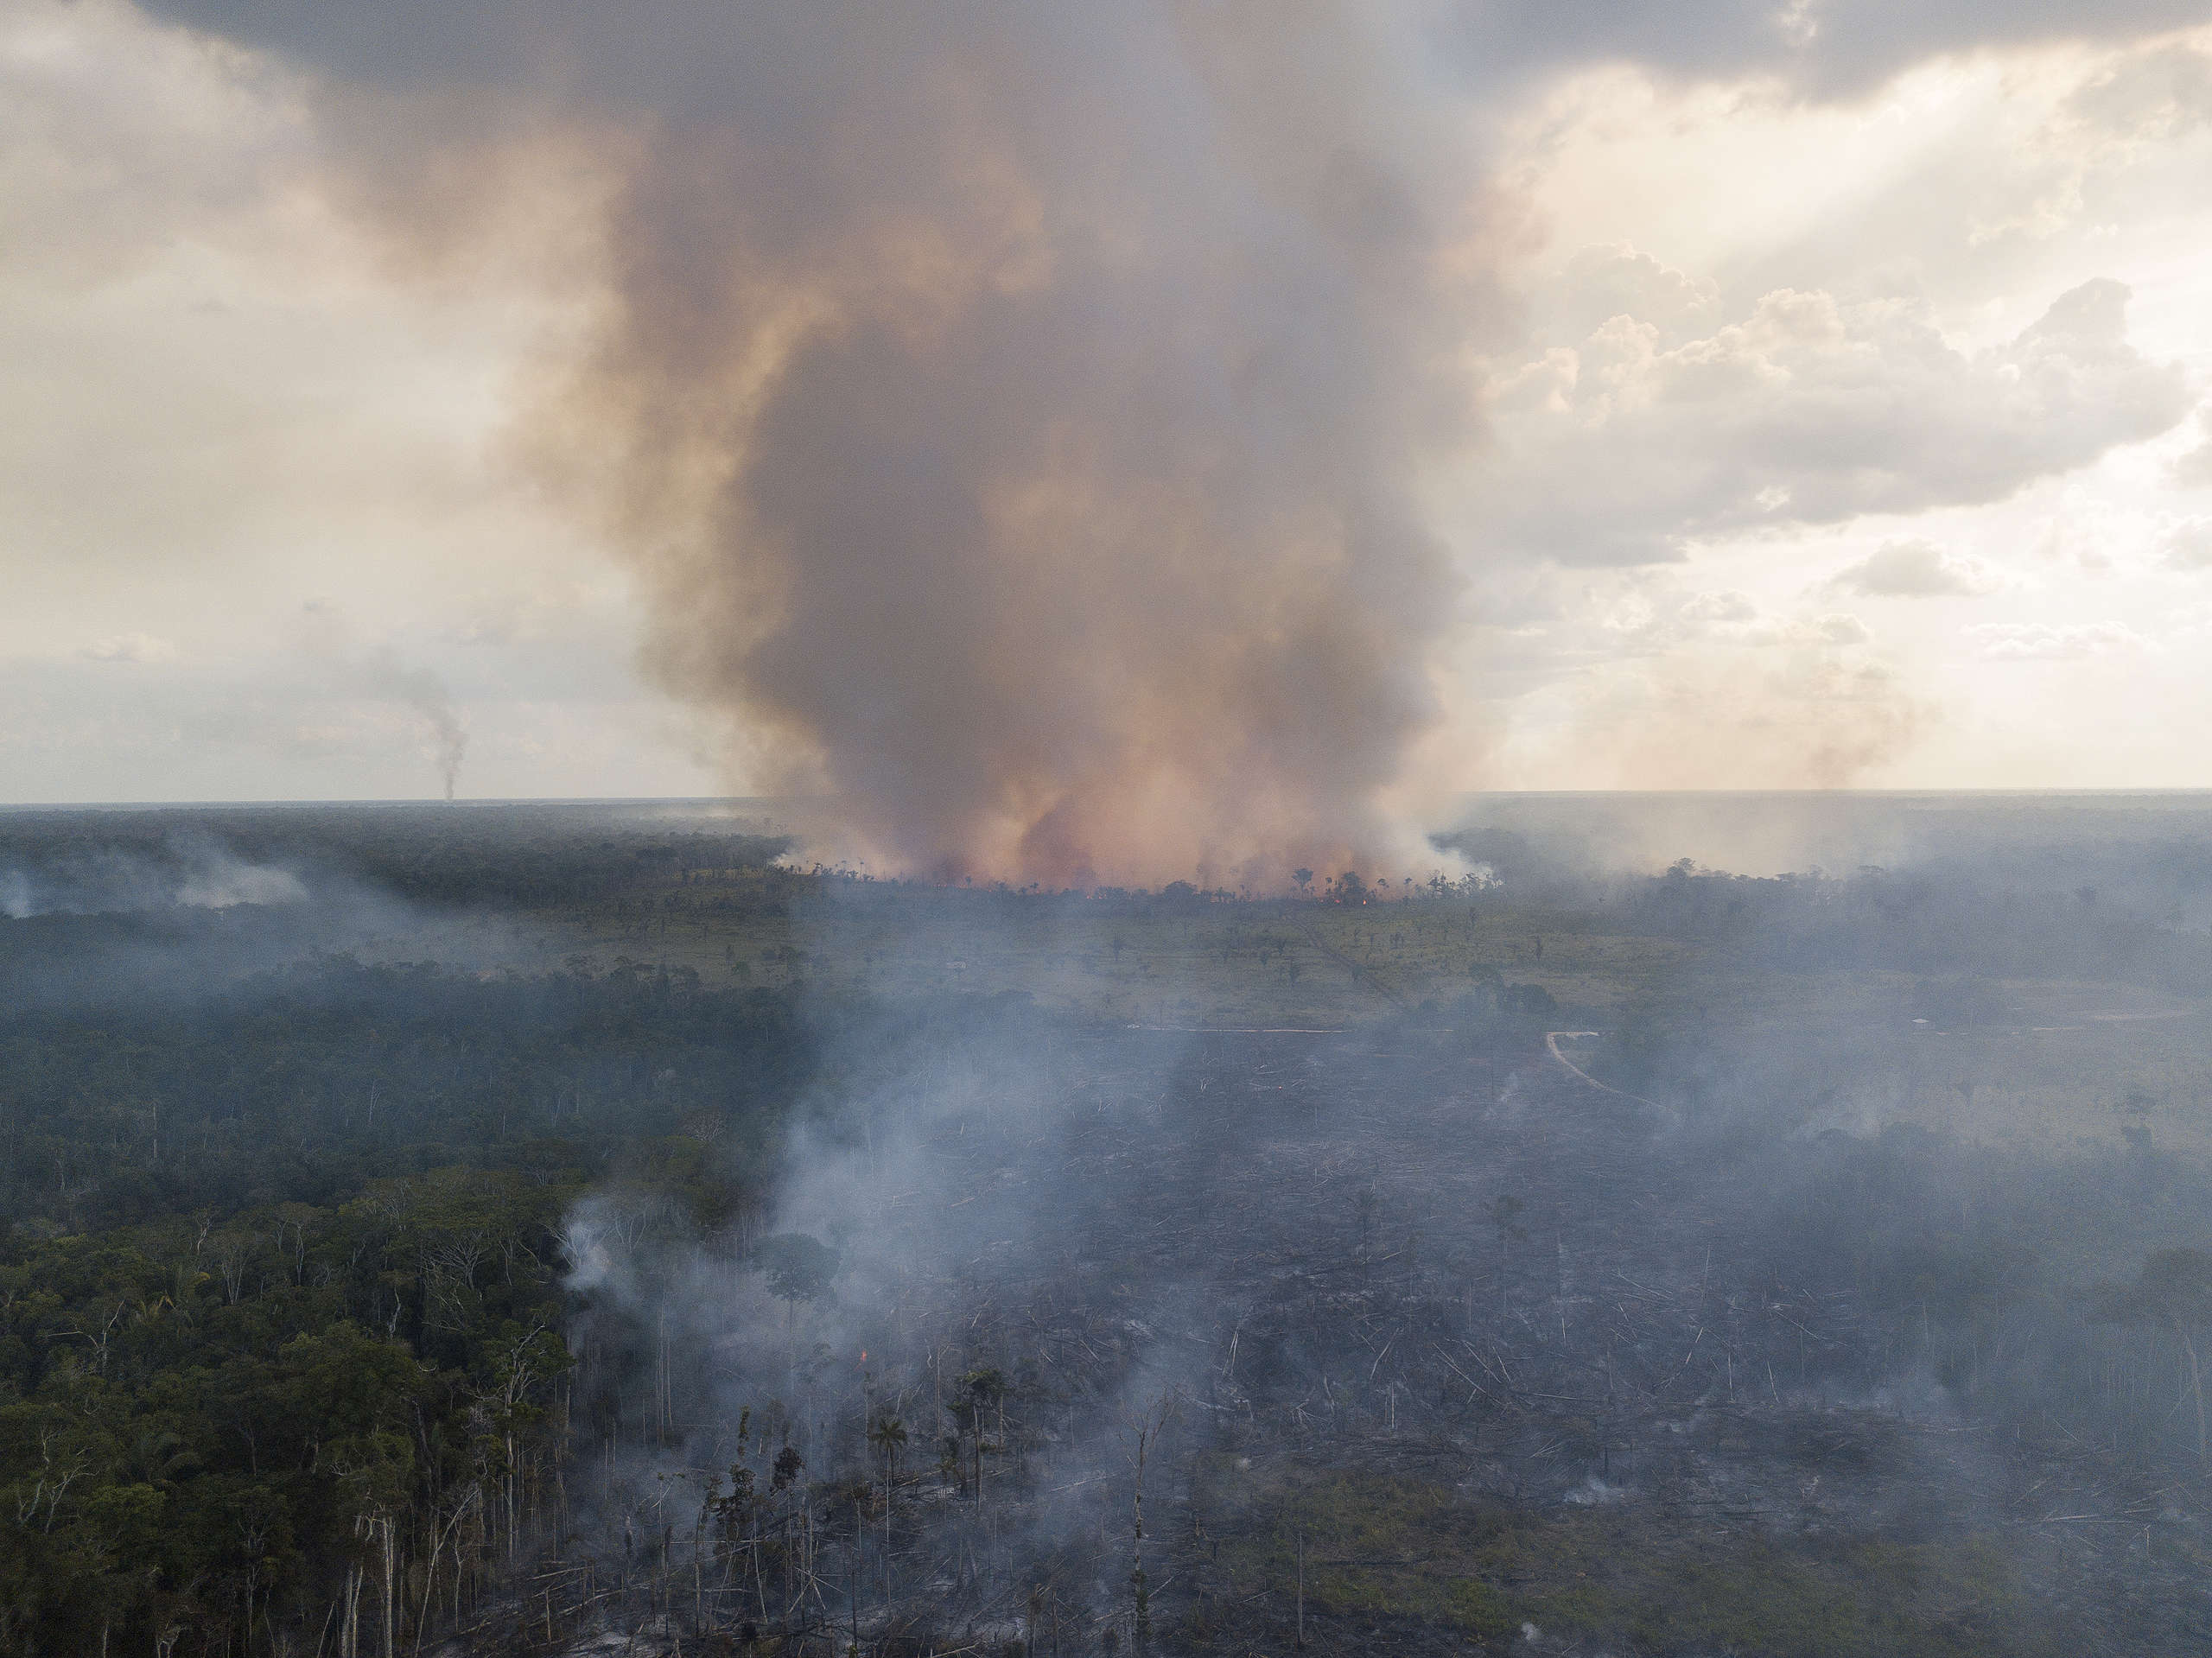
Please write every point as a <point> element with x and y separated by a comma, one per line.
<point>1551,1041</point>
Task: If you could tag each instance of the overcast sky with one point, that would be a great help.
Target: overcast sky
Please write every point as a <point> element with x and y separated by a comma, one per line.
<point>1831,385</point>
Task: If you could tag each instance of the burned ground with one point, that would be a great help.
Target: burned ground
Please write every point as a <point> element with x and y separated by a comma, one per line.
<point>1436,1346</point>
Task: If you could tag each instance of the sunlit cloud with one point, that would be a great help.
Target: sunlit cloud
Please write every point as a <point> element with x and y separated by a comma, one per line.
<point>1913,569</point>
<point>2046,642</point>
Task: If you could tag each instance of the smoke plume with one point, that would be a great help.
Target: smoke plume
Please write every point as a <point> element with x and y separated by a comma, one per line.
<point>1016,420</point>
<point>423,692</point>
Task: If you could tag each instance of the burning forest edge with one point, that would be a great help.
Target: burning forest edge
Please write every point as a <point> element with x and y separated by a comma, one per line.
<point>708,1255</point>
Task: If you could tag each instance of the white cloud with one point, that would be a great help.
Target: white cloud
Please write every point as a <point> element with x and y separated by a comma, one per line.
<point>2048,642</point>
<point>1913,569</point>
<point>1817,716</point>
<point>1726,604</point>
<point>2193,469</point>
<point>1601,283</point>
<point>1825,628</point>
<point>1646,615</point>
<point>1937,220</point>
<point>129,647</point>
<point>1809,411</point>
<point>2186,543</point>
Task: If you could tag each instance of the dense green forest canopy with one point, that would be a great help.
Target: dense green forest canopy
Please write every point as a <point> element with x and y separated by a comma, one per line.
<point>286,1262</point>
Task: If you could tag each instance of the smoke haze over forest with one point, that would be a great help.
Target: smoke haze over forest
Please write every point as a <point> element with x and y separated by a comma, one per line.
<point>516,1227</point>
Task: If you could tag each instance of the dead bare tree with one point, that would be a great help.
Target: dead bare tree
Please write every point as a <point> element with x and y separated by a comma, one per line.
<point>1141,1428</point>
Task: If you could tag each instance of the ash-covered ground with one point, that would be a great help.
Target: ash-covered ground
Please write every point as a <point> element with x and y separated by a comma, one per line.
<point>1386,1341</point>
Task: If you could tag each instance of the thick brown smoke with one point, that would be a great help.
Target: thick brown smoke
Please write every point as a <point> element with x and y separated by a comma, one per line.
<point>1019,409</point>
<point>1015,415</point>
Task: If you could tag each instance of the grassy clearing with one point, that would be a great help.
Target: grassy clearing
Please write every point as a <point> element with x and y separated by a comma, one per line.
<point>1381,1547</point>
<point>1212,964</point>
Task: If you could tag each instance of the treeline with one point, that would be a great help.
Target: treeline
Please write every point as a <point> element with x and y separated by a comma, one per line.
<point>1939,920</point>
<point>306,1083</point>
<point>2132,908</point>
<point>533,856</point>
<point>218,1430</point>
<point>282,1361</point>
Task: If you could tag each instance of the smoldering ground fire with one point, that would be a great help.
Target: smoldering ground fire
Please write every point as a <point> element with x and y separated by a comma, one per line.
<point>1333,1287</point>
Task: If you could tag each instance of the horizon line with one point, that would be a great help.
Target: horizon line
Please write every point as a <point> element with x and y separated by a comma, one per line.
<point>768,803</point>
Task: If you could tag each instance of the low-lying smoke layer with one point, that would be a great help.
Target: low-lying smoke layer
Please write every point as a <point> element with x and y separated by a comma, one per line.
<point>107,880</point>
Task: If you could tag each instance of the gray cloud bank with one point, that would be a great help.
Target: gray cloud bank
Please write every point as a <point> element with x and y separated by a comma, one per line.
<point>1807,412</point>
<point>681,55</point>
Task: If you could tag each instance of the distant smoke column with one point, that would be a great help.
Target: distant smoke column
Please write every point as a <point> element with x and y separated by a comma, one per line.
<point>1016,412</point>
<point>426,694</point>
<point>448,737</point>
<point>452,744</point>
